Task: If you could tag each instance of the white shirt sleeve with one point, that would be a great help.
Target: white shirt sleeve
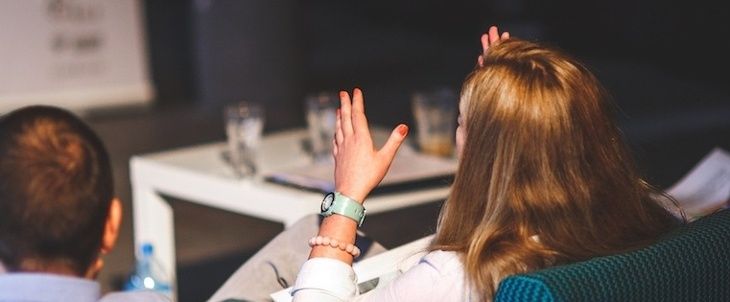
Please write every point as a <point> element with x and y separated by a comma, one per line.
<point>325,279</point>
<point>438,276</point>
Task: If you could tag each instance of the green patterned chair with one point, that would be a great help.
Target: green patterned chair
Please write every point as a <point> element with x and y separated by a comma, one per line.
<point>690,264</point>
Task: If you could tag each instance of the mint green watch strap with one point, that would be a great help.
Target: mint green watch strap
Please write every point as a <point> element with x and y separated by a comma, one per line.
<point>348,207</point>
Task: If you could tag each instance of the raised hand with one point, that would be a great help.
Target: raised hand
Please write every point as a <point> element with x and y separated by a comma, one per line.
<point>490,38</point>
<point>359,167</point>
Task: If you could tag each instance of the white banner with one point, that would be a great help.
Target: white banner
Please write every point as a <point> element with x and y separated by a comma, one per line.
<point>76,54</point>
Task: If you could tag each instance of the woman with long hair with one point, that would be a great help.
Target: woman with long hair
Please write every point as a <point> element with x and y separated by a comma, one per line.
<point>544,179</point>
<point>544,176</point>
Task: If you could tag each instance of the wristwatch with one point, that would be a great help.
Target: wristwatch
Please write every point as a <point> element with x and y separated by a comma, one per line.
<point>336,203</point>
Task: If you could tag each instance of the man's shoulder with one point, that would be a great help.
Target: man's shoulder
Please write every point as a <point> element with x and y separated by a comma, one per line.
<point>141,296</point>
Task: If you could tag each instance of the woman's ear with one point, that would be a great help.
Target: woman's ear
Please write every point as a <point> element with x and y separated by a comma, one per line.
<point>111,227</point>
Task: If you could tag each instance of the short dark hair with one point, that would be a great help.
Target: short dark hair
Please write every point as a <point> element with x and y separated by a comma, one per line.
<point>56,188</point>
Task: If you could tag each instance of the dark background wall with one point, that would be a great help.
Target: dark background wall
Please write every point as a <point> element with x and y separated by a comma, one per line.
<point>327,43</point>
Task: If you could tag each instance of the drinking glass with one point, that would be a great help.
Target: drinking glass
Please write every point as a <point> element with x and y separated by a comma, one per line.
<point>244,125</point>
<point>434,111</point>
<point>321,110</point>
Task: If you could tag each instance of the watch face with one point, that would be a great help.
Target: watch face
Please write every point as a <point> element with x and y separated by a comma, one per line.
<point>327,202</point>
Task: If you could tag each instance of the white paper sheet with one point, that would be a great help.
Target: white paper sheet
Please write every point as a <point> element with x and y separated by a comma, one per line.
<point>706,187</point>
<point>407,167</point>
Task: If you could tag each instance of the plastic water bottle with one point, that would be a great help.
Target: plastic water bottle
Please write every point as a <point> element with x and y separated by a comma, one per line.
<point>148,274</point>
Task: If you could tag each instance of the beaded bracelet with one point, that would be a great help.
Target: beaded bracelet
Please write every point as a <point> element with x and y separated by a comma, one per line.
<point>334,243</point>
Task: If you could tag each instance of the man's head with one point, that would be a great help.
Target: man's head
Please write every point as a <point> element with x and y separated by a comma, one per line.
<point>57,210</point>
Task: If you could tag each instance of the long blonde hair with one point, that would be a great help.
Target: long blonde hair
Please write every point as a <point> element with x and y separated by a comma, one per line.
<point>545,177</point>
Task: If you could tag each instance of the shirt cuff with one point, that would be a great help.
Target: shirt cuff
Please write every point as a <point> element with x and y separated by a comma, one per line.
<point>330,276</point>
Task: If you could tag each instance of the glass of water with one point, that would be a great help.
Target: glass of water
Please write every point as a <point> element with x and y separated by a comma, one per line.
<point>321,110</point>
<point>244,125</point>
<point>434,111</point>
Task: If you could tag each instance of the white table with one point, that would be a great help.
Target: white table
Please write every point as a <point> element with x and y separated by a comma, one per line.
<point>199,174</point>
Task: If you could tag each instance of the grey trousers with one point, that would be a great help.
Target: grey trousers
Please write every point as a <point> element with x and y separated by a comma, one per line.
<point>277,264</point>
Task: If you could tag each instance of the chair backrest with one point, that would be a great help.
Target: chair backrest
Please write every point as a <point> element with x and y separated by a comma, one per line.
<point>690,264</point>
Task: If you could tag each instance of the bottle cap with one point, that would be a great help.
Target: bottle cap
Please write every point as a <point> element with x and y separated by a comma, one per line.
<point>147,249</point>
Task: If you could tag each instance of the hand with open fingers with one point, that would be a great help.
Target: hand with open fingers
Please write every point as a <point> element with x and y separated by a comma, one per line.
<point>359,167</point>
<point>490,38</point>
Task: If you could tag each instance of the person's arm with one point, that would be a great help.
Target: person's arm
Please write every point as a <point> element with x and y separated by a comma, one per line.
<point>359,167</point>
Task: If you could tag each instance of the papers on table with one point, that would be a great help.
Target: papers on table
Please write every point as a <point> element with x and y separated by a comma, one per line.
<point>706,187</point>
<point>409,170</point>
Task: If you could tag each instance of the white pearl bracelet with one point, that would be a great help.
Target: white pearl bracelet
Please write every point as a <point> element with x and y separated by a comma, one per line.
<point>334,243</point>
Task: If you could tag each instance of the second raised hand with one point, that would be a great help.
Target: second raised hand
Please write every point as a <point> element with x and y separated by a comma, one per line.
<point>359,167</point>
<point>490,38</point>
